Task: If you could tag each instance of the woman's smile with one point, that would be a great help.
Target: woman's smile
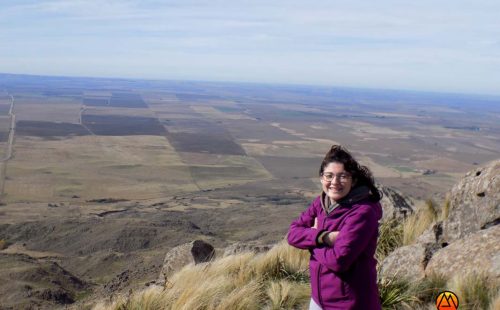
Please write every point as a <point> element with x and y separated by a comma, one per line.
<point>336,182</point>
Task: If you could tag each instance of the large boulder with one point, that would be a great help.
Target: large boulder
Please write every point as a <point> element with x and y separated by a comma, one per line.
<point>474,203</point>
<point>479,253</point>
<point>467,241</point>
<point>194,252</point>
<point>395,205</point>
<point>408,262</point>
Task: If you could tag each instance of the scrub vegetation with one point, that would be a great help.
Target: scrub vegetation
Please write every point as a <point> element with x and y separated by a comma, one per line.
<point>419,222</point>
<point>279,279</point>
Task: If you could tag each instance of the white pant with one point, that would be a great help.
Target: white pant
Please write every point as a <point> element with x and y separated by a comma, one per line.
<point>313,305</point>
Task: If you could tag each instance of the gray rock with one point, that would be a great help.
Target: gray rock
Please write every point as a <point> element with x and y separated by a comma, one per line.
<point>434,234</point>
<point>468,240</point>
<point>395,205</point>
<point>474,203</point>
<point>479,252</point>
<point>194,252</point>
<point>406,262</point>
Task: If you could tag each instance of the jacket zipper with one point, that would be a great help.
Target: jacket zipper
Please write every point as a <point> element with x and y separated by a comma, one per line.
<point>319,271</point>
<point>319,288</point>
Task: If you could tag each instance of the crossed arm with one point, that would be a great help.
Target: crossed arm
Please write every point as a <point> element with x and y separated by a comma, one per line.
<point>304,233</point>
<point>336,250</point>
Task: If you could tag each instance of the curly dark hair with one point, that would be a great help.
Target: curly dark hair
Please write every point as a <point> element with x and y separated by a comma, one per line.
<point>361,175</point>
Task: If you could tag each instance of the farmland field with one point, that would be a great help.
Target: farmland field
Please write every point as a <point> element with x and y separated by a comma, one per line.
<point>277,133</point>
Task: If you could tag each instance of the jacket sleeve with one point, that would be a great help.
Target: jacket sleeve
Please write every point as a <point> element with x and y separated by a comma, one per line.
<point>300,234</point>
<point>353,238</point>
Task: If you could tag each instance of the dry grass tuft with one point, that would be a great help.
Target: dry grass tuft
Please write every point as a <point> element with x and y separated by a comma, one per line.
<point>283,261</point>
<point>275,280</point>
<point>278,279</point>
<point>495,302</point>
<point>396,293</point>
<point>418,222</point>
<point>247,297</point>
<point>445,211</point>
<point>390,238</point>
<point>429,288</point>
<point>475,291</point>
<point>284,294</point>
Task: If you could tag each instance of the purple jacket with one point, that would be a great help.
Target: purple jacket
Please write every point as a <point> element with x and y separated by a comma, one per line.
<point>343,276</point>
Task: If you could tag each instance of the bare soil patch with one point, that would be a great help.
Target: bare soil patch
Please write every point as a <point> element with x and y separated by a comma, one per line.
<point>215,113</point>
<point>112,111</point>
<point>50,111</point>
<point>96,102</point>
<point>49,130</point>
<point>291,167</point>
<point>215,176</point>
<point>255,130</point>
<point>126,167</point>
<point>204,143</point>
<point>120,125</point>
<point>196,97</point>
<point>5,123</point>
<point>289,148</point>
<point>199,126</point>
<point>127,100</point>
<point>4,108</point>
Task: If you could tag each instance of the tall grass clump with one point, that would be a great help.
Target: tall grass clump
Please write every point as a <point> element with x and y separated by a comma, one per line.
<point>283,262</point>
<point>284,294</point>
<point>445,210</point>
<point>396,293</point>
<point>246,297</point>
<point>475,290</point>
<point>418,222</point>
<point>390,238</point>
<point>428,289</point>
<point>277,279</point>
<point>495,302</point>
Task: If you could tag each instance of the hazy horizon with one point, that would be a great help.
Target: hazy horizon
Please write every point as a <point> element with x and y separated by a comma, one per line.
<point>449,47</point>
<point>290,86</point>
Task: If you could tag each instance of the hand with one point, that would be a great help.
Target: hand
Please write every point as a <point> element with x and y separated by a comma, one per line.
<point>315,226</point>
<point>330,238</point>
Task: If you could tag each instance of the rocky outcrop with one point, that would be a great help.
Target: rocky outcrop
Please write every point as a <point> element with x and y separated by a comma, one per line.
<point>194,252</point>
<point>479,253</point>
<point>467,241</point>
<point>394,204</point>
<point>474,203</point>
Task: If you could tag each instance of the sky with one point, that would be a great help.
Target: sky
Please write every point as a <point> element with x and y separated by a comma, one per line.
<point>438,45</point>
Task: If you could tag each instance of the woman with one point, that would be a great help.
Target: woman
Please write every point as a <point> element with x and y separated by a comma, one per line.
<point>340,229</point>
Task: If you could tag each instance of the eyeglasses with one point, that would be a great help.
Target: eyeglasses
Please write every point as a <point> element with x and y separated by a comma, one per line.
<point>342,177</point>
